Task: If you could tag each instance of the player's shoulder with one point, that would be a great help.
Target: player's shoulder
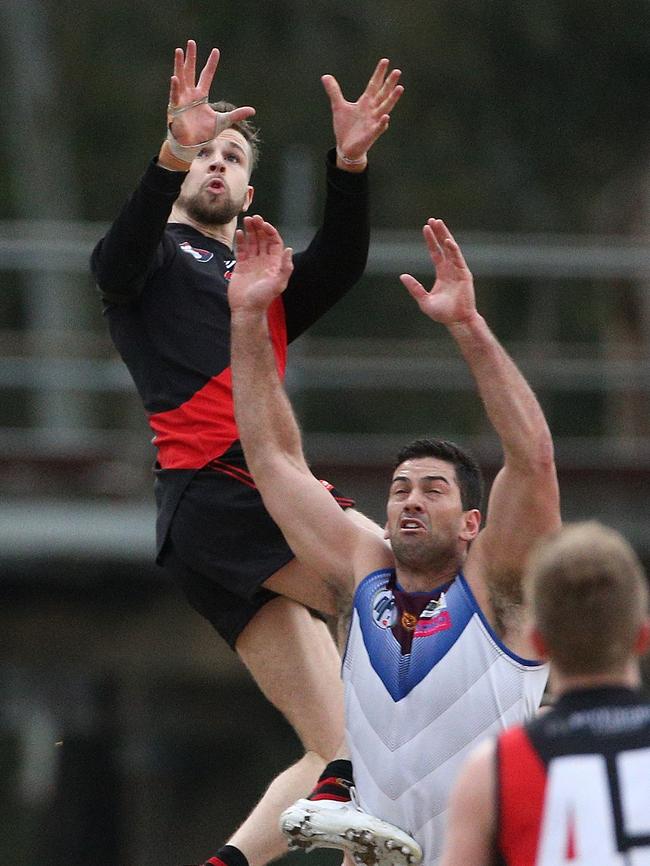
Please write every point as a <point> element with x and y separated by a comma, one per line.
<point>372,554</point>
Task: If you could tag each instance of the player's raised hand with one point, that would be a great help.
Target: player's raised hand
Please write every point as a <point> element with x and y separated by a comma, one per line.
<point>357,125</point>
<point>451,299</point>
<point>263,267</point>
<point>190,116</point>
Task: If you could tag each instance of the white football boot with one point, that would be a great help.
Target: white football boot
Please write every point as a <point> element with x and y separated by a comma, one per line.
<point>310,824</point>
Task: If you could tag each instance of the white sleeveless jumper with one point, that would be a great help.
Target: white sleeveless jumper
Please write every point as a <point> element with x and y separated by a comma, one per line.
<point>412,718</point>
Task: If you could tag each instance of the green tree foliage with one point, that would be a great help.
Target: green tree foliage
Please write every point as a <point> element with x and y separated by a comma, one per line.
<point>517,115</point>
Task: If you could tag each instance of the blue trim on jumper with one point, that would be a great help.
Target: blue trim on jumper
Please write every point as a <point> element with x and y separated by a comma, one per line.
<point>401,672</point>
<point>386,571</point>
<point>522,661</point>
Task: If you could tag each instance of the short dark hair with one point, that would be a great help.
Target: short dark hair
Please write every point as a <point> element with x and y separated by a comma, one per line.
<point>244,127</point>
<point>468,472</point>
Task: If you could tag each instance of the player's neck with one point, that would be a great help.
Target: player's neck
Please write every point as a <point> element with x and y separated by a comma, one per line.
<point>629,678</point>
<point>225,234</point>
<point>426,580</point>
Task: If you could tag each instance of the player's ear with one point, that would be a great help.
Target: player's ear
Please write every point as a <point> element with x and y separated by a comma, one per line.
<point>538,642</point>
<point>248,199</point>
<point>642,641</point>
<point>472,524</point>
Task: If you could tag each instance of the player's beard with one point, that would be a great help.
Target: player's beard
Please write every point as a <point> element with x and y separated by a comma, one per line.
<point>218,212</point>
<point>422,555</point>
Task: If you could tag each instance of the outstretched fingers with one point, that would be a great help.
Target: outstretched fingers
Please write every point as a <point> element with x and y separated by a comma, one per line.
<point>358,124</point>
<point>207,73</point>
<point>245,242</point>
<point>381,96</point>
<point>383,92</point>
<point>238,114</point>
<point>386,107</point>
<point>271,246</point>
<point>286,266</point>
<point>436,251</point>
<point>263,266</point>
<point>274,243</point>
<point>332,89</point>
<point>183,84</point>
<point>262,238</point>
<point>390,93</point>
<point>442,246</point>
<point>414,287</point>
<point>251,229</point>
<point>390,83</point>
<point>377,81</point>
<point>241,245</point>
<point>185,64</point>
<point>189,68</point>
<point>179,60</point>
<point>174,90</point>
<point>448,244</point>
<point>178,78</point>
<point>440,230</point>
<point>269,240</point>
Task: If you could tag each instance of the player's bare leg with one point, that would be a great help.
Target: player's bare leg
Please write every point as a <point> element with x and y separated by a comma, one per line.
<point>293,658</point>
<point>330,817</point>
<point>294,661</point>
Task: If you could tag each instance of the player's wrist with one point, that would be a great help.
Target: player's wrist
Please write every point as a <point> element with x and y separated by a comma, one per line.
<point>167,159</point>
<point>472,325</point>
<point>249,312</point>
<point>185,152</point>
<point>350,163</point>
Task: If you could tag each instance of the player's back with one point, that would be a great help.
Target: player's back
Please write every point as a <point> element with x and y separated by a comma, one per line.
<point>574,785</point>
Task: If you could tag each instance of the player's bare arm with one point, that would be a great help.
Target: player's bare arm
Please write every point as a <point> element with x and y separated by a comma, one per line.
<point>524,501</point>
<point>358,125</point>
<point>191,120</point>
<point>315,527</point>
<point>469,839</point>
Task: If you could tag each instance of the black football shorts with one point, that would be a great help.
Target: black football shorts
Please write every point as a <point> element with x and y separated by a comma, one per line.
<point>223,545</point>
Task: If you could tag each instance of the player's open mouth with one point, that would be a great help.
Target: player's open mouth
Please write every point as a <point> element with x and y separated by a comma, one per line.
<point>216,186</point>
<point>410,523</point>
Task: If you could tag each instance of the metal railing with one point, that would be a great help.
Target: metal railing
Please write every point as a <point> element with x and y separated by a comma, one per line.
<point>67,357</point>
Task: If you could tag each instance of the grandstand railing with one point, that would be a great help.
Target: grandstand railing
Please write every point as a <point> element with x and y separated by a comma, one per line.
<point>56,362</point>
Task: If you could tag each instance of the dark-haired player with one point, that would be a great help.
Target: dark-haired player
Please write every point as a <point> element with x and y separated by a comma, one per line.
<point>437,656</point>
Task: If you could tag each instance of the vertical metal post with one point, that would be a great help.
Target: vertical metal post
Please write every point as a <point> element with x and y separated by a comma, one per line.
<point>44,184</point>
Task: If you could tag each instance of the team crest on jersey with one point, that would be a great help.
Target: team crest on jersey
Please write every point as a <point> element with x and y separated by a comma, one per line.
<point>230,264</point>
<point>409,620</point>
<point>384,611</point>
<point>434,618</point>
<point>199,255</point>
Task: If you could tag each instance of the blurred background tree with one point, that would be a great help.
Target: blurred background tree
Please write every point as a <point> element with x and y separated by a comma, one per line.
<point>521,122</point>
<point>517,115</point>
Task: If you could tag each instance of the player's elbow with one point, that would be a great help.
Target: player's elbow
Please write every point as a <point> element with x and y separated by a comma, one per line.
<point>272,469</point>
<point>538,452</point>
<point>534,456</point>
<point>543,455</point>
